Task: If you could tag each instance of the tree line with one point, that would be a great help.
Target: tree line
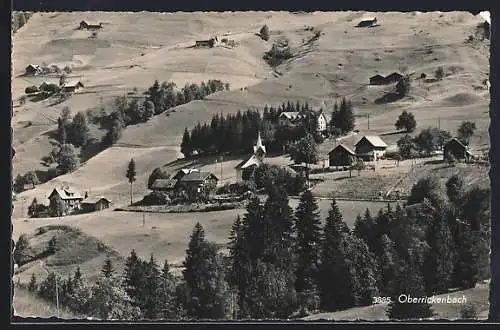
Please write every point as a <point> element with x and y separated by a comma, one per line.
<point>285,263</point>
<point>237,133</point>
<point>429,139</point>
<point>159,98</point>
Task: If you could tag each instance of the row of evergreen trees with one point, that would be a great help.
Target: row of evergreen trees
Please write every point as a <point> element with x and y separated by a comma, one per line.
<point>237,133</point>
<point>286,263</point>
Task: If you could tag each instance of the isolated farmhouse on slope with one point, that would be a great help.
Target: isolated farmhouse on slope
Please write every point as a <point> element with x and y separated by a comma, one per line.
<point>72,86</point>
<point>367,22</point>
<point>455,148</point>
<point>341,156</point>
<point>370,148</point>
<point>210,43</point>
<point>381,80</point>
<point>245,169</point>
<point>70,198</point>
<point>33,70</point>
<point>90,26</point>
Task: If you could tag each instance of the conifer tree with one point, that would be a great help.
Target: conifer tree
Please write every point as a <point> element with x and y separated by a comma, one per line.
<point>108,269</point>
<point>409,282</point>
<point>364,228</point>
<point>134,278</point>
<point>131,173</point>
<point>388,262</point>
<point>440,259</point>
<point>151,306</point>
<point>186,144</point>
<point>205,278</point>
<point>336,294</point>
<point>308,238</point>
<point>364,270</point>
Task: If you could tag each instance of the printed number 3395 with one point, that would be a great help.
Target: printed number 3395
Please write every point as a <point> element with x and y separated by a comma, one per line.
<point>381,300</point>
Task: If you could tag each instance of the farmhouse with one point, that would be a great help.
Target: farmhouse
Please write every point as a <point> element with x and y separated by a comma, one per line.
<point>182,172</point>
<point>198,183</point>
<point>71,200</point>
<point>164,185</point>
<point>72,87</point>
<point>381,80</point>
<point>377,80</point>
<point>321,122</point>
<point>393,77</point>
<point>289,118</point>
<point>341,156</point>
<point>245,169</point>
<point>88,26</point>
<point>370,148</point>
<point>367,22</point>
<point>97,203</point>
<point>206,43</point>
<point>33,70</point>
<point>454,147</point>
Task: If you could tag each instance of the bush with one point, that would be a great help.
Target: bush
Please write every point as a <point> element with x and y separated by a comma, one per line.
<point>468,312</point>
<point>279,52</point>
<point>155,198</point>
<point>439,74</point>
<point>52,247</point>
<point>236,188</point>
<point>31,89</point>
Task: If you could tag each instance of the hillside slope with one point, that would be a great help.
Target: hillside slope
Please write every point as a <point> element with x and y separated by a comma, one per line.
<point>133,49</point>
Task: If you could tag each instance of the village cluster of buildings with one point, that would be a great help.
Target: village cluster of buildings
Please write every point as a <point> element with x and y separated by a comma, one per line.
<point>293,118</point>
<point>192,182</point>
<point>69,86</point>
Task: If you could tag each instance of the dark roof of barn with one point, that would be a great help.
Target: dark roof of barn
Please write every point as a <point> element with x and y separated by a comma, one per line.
<point>341,146</point>
<point>457,141</point>
<point>95,200</point>
<point>197,176</point>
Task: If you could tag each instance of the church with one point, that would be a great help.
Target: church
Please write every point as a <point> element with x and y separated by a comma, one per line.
<point>245,169</point>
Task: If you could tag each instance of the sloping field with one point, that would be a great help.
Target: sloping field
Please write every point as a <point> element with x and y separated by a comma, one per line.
<point>477,297</point>
<point>26,304</point>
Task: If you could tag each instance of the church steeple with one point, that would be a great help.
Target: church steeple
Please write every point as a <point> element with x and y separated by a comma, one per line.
<point>259,149</point>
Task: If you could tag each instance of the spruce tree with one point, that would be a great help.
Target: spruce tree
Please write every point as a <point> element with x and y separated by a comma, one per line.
<point>337,294</point>
<point>108,269</point>
<point>77,278</point>
<point>408,283</point>
<point>205,278</point>
<point>79,130</point>
<point>186,144</point>
<point>364,228</point>
<point>167,293</point>
<point>440,259</point>
<point>308,240</point>
<point>278,228</point>
<point>131,176</point>
<point>389,264</point>
<point>151,306</point>
<point>134,278</point>
<point>365,272</point>
<point>455,190</point>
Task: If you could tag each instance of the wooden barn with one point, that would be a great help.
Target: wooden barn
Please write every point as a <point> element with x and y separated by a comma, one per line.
<point>198,183</point>
<point>33,70</point>
<point>377,80</point>
<point>341,156</point>
<point>90,26</point>
<point>370,148</point>
<point>72,86</point>
<point>164,185</point>
<point>367,22</point>
<point>97,203</point>
<point>393,78</point>
<point>454,147</point>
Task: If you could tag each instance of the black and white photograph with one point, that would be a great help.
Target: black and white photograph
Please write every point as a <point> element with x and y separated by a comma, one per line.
<point>251,166</point>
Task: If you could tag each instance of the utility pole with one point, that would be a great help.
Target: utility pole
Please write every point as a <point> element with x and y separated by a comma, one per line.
<point>221,168</point>
<point>22,207</point>
<point>439,123</point>
<point>143,219</point>
<point>57,297</point>
<point>368,121</point>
